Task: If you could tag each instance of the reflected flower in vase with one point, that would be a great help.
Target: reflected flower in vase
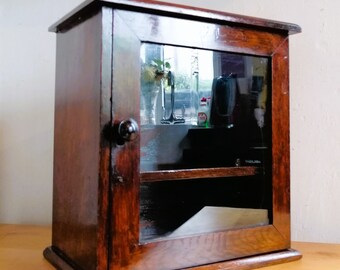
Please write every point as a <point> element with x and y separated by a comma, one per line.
<point>153,76</point>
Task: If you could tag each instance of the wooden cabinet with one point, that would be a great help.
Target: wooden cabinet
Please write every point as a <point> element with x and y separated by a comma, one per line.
<point>171,142</point>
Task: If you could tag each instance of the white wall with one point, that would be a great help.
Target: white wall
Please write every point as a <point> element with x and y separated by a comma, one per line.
<point>27,67</point>
<point>27,58</point>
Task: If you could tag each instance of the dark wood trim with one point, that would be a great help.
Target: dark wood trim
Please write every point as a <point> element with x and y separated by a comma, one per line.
<point>59,261</point>
<point>155,176</point>
<point>280,139</point>
<point>207,248</point>
<point>269,259</point>
<point>176,11</point>
<point>124,188</point>
<point>203,35</point>
<point>246,263</point>
<point>105,145</point>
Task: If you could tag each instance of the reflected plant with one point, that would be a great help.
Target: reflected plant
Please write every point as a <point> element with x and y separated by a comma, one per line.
<point>155,71</point>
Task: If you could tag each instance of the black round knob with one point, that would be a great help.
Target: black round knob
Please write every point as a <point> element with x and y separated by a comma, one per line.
<point>128,130</point>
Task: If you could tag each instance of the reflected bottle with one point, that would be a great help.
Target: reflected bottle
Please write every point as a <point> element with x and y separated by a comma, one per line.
<point>203,113</point>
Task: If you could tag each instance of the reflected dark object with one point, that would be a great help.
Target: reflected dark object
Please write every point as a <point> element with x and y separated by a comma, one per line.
<point>223,101</point>
<point>256,86</point>
<point>221,147</point>
<point>172,119</point>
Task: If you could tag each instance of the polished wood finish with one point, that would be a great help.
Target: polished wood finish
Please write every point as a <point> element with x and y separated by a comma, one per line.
<point>255,262</point>
<point>76,148</point>
<point>124,229</point>
<point>280,138</point>
<point>154,176</point>
<point>21,245</point>
<point>96,206</point>
<point>82,108</point>
<point>173,10</point>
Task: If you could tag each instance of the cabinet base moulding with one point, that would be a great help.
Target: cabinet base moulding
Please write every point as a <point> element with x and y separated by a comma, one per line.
<point>253,262</point>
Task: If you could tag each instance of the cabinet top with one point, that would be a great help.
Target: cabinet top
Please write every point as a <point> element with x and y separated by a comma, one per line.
<point>173,10</point>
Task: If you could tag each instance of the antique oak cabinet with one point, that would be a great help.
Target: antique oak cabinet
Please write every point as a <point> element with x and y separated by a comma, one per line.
<point>171,147</point>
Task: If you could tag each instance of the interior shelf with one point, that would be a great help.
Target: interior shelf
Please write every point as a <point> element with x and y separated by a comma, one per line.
<point>185,174</point>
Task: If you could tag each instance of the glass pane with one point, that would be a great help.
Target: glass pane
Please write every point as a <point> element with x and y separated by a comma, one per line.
<point>202,108</point>
<point>203,113</point>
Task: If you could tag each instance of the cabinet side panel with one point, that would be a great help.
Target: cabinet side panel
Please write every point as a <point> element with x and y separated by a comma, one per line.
<point>76,142</point>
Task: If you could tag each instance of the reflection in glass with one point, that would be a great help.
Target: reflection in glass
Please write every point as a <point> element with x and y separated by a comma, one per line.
<point>175,69</point>
<point>203,110</point>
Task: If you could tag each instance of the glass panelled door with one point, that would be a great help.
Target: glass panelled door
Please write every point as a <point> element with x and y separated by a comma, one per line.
<point>205,141</point>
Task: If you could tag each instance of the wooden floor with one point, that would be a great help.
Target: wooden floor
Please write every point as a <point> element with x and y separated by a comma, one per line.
<point>21,248</point>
